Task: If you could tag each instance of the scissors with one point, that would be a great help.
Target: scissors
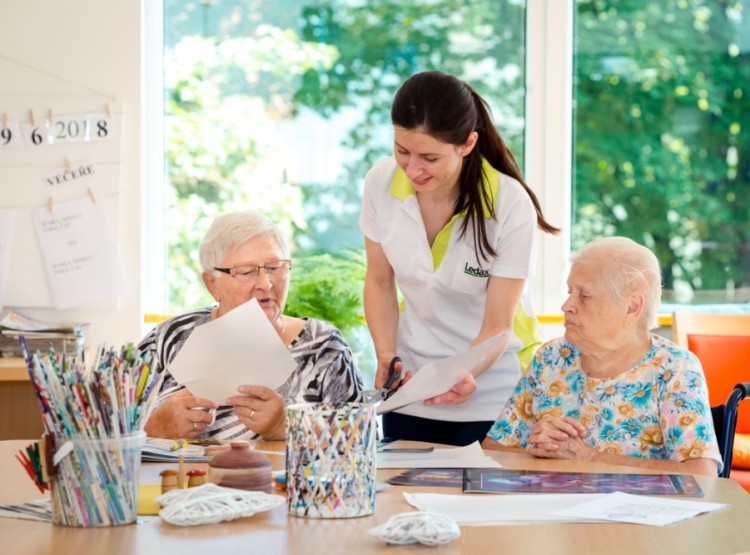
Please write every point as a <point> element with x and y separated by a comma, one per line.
<point>376,395</point>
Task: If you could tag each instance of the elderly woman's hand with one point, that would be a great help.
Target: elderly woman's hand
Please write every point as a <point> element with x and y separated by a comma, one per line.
<point>181,415</point>
<point>573,448</point>
<point>553,428</point>
<point>559,438</point>
<point>261,410</point>
<point>456,394</point>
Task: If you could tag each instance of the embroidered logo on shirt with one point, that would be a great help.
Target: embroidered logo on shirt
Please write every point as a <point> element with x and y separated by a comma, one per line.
<point>476,272</point>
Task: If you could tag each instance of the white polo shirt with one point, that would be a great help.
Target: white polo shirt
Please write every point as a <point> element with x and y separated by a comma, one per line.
<point>445,287</point>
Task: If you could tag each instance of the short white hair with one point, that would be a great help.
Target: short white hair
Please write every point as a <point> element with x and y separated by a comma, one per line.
<point>625,267</point>
<point>234,229</point>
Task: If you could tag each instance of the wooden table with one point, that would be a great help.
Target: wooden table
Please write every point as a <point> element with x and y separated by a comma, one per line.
<point>276,532</point>
<point>19,409</point>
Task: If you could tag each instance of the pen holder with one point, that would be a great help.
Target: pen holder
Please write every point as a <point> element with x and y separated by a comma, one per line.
<point>330,460</point>
<point>96,481</point>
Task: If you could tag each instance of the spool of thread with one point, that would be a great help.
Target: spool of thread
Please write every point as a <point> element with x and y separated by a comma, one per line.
<point>168,480</point>
<point>196,477</point>
<point>241,467</point>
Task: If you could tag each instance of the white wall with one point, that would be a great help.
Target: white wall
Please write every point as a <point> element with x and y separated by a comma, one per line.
<point>73,50</point>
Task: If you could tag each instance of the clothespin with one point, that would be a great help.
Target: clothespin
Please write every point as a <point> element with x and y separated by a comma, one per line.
<point>5,120</point>
<point>68,165</point>
<point>31,118</point>
<point>109,109</point>
<point>91,194</point>
<point>49,204</point>
<point>50,116</point>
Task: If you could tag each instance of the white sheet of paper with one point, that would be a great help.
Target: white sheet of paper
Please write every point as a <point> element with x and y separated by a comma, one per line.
<point>438,377</point>
<point>490,510</point>
<point>79,252</point>
<point>240,348</point>
<point>7,217</point>
<point>470,456</point>
<point>639,509</point>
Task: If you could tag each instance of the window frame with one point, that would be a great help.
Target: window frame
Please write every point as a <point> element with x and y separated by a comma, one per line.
<point>549,140</point>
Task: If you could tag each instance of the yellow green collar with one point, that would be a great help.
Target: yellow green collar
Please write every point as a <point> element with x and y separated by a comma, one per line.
<point>401,188</point>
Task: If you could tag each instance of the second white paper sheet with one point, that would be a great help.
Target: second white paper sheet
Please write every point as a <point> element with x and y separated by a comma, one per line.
<point>240,348</point>
<point>469,456</point>
<point>438,377</point>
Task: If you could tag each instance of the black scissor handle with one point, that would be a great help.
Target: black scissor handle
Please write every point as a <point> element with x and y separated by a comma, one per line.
<point>393,375</point>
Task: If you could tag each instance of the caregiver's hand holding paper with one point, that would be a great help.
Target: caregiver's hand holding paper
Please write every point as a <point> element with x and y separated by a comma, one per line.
<point>237,349</point>
<point>438,377</point>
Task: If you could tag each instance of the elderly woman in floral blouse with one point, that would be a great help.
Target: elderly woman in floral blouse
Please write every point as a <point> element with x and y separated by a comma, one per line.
<point>610,391</point>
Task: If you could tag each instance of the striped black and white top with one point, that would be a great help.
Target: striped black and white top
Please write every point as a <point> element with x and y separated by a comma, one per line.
<point>325,372</point>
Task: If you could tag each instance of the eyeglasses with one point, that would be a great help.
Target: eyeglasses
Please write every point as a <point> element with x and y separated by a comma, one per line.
<point>249,272</point>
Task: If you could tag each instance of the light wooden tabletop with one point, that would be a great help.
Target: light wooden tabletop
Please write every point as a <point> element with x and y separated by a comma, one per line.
<point>276,532</point>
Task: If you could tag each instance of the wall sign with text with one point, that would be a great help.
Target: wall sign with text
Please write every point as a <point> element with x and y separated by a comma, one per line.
<point>62,130</point>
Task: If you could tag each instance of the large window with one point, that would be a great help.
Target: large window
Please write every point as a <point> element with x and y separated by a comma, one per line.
<point>662,137</point>
<point>628,117</point>
<point>282,106</point>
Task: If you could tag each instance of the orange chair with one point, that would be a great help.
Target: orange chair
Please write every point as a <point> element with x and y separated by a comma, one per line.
<point>722,344</point>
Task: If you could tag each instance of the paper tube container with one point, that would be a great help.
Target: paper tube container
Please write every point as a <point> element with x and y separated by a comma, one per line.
<point>96,483</point>
<point>330,460</point>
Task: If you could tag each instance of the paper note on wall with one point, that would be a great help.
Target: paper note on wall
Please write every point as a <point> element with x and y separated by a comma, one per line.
<point>6,240</point>
<point>79,252</point>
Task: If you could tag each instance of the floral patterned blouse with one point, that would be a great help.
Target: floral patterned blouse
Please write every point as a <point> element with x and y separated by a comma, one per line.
<point>657,410</point>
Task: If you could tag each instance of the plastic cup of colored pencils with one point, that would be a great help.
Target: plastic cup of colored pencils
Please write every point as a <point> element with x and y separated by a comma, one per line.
<point>96,481</point>
<point>93,419</point>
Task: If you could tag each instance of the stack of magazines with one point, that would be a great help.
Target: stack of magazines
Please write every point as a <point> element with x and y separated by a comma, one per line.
<point>170,450</point>
<point>62,337</point>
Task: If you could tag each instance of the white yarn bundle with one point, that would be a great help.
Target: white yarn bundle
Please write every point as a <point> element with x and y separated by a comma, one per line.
<point>210,503</point>
<point>424,527</point>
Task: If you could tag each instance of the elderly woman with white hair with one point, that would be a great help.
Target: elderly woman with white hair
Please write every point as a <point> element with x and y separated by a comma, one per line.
<point>609,390</point>
<point>245,256</point>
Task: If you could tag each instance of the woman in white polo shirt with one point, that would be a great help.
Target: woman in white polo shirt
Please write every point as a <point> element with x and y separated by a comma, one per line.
<point>449,220</point>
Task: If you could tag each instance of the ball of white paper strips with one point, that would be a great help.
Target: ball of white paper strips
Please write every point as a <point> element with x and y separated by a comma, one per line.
<point>210,503</point>
<point>423,527</point>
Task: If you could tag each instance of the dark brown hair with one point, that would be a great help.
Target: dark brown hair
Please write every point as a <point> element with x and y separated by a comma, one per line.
<point>448,109</point>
